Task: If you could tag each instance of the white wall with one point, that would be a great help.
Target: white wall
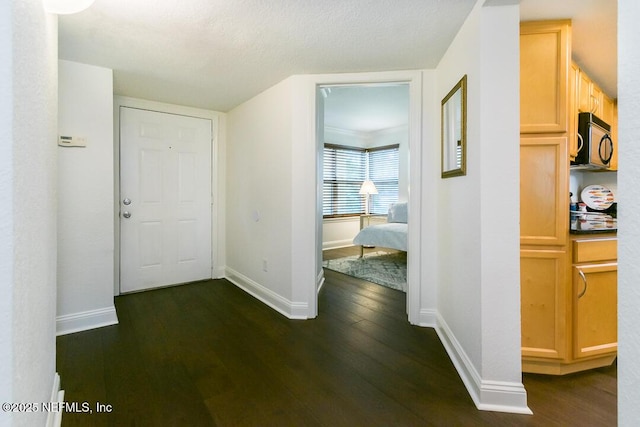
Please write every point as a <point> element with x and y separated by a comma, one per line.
<point>85,199</point>
<point>478,264</point>
<point>259,195</point>
<point>628,216</point>
<point>339,232</point>
<point>6,208</point>
<point>28,82</point>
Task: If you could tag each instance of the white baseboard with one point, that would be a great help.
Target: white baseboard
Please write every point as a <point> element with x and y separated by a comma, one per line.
<point>289,309</point>
<point>336,244</point>
<point>77,322</point>
<point>497,396</point>
<point>54,418</point>
<point>427,318</point>
<point>218,273</point>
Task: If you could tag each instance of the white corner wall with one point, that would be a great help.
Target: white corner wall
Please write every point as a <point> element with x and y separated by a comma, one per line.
<point>479,304</point>
<point>259,197</point>
<point>28,83</point>
<point>628,216</point>
<point>85,199</point>
<point>6,208</point>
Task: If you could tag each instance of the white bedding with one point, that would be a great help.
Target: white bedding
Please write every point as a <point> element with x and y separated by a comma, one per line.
<point>391,235</point>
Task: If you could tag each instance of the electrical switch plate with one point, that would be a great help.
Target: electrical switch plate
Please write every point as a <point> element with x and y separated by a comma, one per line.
<point>72,141</point>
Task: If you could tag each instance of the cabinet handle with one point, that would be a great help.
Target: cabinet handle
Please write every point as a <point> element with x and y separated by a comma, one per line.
<point>580,142</point>
<point>584,279</point>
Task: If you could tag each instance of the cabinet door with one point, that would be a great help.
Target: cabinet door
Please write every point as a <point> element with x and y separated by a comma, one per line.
<point>545,53</point>
<point>595,302</point>
<point>544,298</point>
<point>596,100</point>
<point>607,110</point>
<point>574,80</point>
<point>584,93</point>
<point>544,191</point>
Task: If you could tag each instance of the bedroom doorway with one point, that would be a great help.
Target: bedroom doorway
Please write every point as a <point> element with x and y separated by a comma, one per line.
<point>364,132</point>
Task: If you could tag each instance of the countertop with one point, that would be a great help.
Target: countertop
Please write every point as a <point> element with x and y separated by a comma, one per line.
<point>585,223</point>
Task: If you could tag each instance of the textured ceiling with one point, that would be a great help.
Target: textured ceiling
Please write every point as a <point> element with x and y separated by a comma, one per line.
<point>366,108</point>
<point>215,54</point>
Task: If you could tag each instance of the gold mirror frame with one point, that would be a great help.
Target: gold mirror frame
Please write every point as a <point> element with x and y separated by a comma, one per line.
<point>453,131</point>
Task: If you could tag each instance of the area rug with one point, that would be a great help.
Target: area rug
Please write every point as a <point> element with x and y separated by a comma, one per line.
<point>386,269</point>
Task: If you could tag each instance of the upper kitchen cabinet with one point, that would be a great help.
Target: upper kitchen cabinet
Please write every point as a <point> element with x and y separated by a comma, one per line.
<point>545,59</point>
<point>587,97</point>
<point>591,99</point>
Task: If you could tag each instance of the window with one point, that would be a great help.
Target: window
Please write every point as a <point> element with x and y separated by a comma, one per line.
<point>383,171</point>
<point>345,168</point>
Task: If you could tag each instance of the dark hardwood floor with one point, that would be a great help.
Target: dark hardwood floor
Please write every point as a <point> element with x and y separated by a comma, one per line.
<point>208,354</point>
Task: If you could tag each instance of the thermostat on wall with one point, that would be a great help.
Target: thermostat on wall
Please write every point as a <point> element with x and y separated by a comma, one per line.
<point>72,141</point>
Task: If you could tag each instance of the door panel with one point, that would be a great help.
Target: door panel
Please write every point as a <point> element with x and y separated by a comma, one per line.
<point>165,173</point>
<point>595,309</point>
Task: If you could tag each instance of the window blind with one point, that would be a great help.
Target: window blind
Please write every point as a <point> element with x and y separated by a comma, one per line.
<point>384,172</point>
<point>345,168</point>
<point>344,171</point>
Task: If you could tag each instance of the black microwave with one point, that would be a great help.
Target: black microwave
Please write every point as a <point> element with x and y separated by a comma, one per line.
<point>595,146</point>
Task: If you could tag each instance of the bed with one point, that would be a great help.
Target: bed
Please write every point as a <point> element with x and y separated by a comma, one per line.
<point>391,234</point>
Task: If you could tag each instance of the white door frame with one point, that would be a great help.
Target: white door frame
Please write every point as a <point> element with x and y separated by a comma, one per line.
<point>217,178</point>
<point>313,249</point>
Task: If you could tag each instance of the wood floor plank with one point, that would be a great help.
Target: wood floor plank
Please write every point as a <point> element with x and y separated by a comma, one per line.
<point>208,354</point>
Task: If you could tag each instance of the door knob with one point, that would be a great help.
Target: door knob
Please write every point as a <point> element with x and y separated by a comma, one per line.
<point>126,201</point>
<point>126,214</point>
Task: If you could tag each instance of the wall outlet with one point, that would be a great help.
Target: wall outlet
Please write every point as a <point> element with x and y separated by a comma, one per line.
<point>265,265</point>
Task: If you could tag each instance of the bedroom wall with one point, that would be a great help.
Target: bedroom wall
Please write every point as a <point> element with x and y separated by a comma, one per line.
<point>85,199</point>
<point>479,304</point>
<point>259,195</point>
<point>28,118</point>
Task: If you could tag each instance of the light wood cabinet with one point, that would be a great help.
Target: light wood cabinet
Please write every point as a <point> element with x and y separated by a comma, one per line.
<point>574,80</point>
<point>544,191</point>
<point>544,303</point>
<point>545,52</point>
<point>595,307</point>
<point>563,328</point>
<point>590,98</point>
<point>607,111</point>
<point>569,324</point>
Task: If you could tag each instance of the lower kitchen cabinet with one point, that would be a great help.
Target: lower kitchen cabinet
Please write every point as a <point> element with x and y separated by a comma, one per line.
<point>595,323</point>
<point>544,301</point>
<point>569,321</point>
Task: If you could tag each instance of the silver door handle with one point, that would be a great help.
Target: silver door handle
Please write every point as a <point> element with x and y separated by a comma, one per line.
<point>126,214</point>
<point>126,201</point>
<point>584,279</point>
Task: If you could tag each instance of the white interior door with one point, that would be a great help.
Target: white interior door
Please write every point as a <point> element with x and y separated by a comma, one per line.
<point>165,203</point>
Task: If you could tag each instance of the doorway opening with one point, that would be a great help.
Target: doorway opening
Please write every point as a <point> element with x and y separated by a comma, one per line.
<point>364,133</point>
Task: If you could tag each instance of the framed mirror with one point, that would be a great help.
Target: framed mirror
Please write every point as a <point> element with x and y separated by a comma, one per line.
<point>454,130</point>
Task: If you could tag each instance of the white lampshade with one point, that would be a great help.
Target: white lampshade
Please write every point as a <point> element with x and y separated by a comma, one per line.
<point>368,188</point>
<point>66,7</point>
